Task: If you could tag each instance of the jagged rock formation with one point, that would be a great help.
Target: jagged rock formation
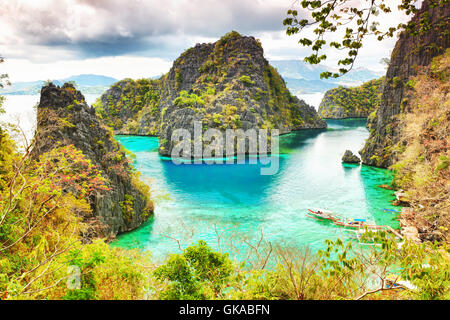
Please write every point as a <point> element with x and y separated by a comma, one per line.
<point>411,52</point>
<point>224,85</point>
<point>353,102</point>
<point>131,107</point>
<point>64,118</point>
<point>349,157</point>
<point>229,84</point>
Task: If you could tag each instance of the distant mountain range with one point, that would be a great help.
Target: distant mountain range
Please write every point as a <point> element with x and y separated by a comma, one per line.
<point>86,83</point>
<point>303,78</point>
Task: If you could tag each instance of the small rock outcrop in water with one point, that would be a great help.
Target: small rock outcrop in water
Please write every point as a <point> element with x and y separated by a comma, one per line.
<point>412,51</point>
<point>349,157</point>
<point>223,85</point>
<point>353,102</point>
<point>64,118</point>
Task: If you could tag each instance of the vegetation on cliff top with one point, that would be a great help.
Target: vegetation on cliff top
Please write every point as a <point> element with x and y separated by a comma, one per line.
<point>342,102</point>
<point>122,106</point>
<point>227,84</point>
<point>228,69</point>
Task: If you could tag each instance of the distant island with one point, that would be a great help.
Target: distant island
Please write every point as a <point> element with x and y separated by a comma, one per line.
<point>351,102</point>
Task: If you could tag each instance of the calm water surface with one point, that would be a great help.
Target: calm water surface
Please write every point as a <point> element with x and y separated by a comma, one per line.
<point>193,201</point>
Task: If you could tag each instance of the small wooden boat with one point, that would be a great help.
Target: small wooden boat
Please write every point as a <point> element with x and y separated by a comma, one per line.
<point>321,214</point>
<point>356,223</point>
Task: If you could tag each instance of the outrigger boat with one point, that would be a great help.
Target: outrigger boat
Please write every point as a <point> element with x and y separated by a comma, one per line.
<point>321,214</point>
<point>326,215</point>
<point>356,223</point>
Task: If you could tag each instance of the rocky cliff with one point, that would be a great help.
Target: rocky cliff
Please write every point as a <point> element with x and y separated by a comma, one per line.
<point>131,107</point>
<point>64,118</point>
<point>224,85</point>
<point>413,50</point>
<point>229,84</point>
<point>353,102</point>
<point>422,170</point>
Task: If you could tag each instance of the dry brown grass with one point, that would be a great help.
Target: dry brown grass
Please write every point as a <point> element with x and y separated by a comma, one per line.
<point>423,166</point>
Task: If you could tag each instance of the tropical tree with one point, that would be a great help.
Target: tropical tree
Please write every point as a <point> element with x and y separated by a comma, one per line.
<point>3,81</point>
<point>356,23</point>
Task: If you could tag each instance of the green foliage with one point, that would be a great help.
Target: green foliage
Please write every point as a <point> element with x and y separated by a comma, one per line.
<point>3,80</point>
<point>355,101</point>
<point>283,104</point>
<point>126,207</point>
<point>344,270</point>
<point>197,273</point>
<point>354,22</point>
<point>43,205</point>
<point>444,163</point>
<point>230,36</point>
<point>246,80</point>
<point>87,290</point>
<point>397,82</point>
<point>135,97</point>
<point>186,100</point>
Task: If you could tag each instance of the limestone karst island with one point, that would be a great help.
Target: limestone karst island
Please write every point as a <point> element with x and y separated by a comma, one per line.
<point>224,150</point>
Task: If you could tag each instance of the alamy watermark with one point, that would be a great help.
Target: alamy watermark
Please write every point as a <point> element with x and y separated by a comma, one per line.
<point>212,145</point>
<point>73,277</point>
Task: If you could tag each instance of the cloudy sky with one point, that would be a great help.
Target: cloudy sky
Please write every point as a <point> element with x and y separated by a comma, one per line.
<point>51,39</point>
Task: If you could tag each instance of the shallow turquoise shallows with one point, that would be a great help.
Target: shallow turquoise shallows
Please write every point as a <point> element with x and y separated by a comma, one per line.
<point>193,201</point>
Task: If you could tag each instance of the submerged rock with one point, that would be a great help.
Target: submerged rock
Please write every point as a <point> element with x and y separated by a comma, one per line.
<point>349,157</point>
<point>64,118</point>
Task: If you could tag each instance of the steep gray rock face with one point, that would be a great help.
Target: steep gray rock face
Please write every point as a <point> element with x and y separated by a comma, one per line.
<point>410,53</point>
<point>349,157</point>
<point>64,118</point>
<point>229,85</point>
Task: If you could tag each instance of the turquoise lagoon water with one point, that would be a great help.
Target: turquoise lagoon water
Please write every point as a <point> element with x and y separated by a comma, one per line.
<point>195,202</point>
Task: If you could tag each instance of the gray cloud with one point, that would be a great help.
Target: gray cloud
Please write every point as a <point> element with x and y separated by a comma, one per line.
<point>94,28</point>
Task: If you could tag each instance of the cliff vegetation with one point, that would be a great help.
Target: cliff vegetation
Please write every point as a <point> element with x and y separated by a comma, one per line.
<point>415,49</point>
<point>226,84</point>
<point>353,102</point>
<point>422,169</point>
<point>64,119</point>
